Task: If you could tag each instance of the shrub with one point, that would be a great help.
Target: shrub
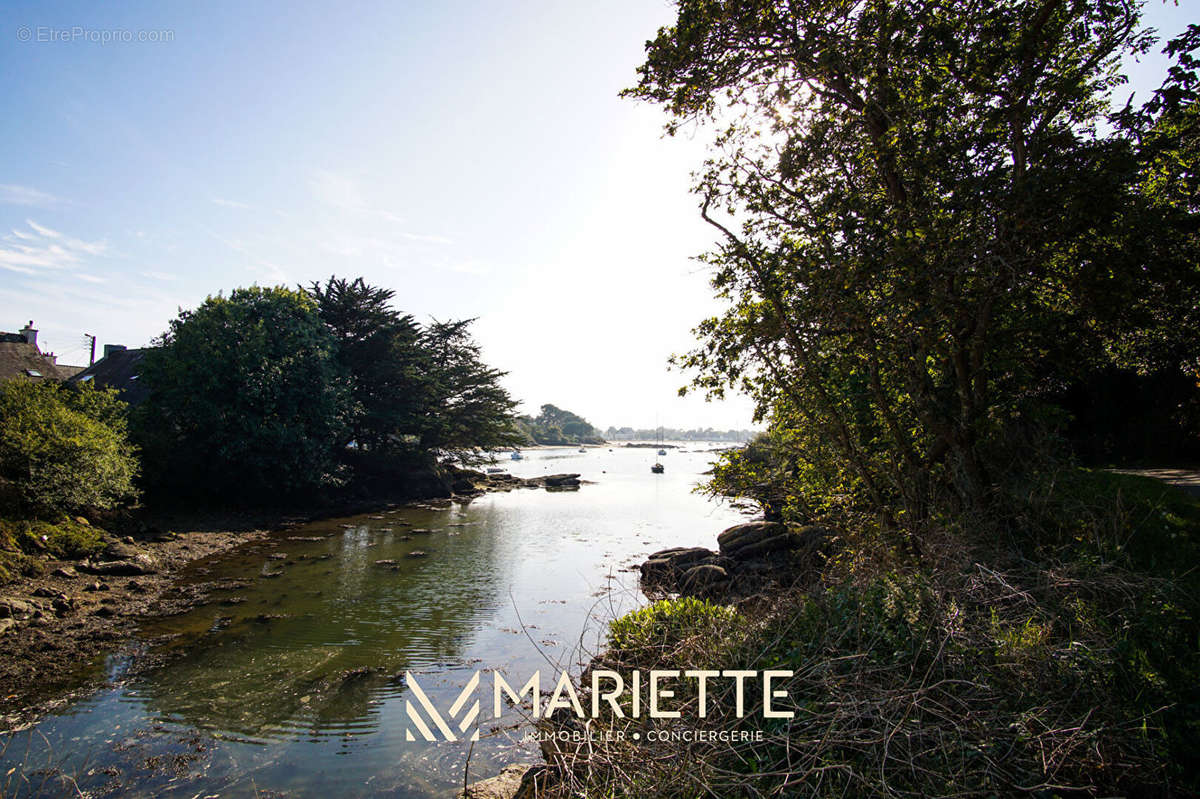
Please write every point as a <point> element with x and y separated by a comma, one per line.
<point>23,542</point>
<point>668,625</point>
<point>64,449</point>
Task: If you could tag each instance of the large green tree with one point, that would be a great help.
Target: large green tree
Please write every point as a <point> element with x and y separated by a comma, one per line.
<point>421,390</point>
<point>925,233</point>
<point>380,350</point>
<point>469,412</point>
<point>247,399</point>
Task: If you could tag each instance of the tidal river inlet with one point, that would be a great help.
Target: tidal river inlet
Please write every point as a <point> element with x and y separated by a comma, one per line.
<point>290,681</point>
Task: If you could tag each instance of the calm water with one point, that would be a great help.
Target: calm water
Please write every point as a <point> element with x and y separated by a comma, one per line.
<point>288,682</point>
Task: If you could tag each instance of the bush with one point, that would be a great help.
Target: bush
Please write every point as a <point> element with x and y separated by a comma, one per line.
<point>668,625</point>
<point>64,449</point>
<point>1063,664</point>
<point>24,543</point>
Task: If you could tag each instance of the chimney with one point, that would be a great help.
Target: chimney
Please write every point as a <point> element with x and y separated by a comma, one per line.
<point>30,334</point>
<point>109,349</point>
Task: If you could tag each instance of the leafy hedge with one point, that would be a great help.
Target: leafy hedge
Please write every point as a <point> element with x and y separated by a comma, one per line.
<point>63,449</point>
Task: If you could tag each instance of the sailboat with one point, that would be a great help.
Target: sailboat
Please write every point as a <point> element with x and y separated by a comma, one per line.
<point>658,468</point>
<point>516,455</point>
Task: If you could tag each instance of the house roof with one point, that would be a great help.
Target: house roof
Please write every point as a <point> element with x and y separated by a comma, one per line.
<point>120,369</point>
<point>69,371</point>
<point>20,358</point>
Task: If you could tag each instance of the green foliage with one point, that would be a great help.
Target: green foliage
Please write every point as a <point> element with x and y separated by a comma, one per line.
<point>421,389</point>
<point>468,411</point>
<point>664,624</point>
<point>64,449</point>
<point>554,425</point>
<point>25,543</point>
<point>915,683</point>
<point>925,237</point>
<point>67,538</point>
<point>247,399</point>
<point>380,350</point>
<point>677,434</point>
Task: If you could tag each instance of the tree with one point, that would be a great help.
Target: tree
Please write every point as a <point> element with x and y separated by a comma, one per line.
<point>468,412</point>
<point>64,450</point>
<point>246,397</point>
<point>423,391</point>
<point>924,235</point>
<point>564,426</point>
<point>381,351</point>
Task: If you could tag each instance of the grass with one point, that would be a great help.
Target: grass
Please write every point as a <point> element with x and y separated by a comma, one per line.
<point>1062,659</point>
<point>25,544</point>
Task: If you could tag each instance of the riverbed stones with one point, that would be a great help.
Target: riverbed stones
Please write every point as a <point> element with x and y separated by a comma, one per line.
<point>138,563</point>
<point>14,608</point>
<point>63,605</point>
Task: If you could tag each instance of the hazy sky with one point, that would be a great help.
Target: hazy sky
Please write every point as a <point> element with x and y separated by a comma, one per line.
<point>472,156</point>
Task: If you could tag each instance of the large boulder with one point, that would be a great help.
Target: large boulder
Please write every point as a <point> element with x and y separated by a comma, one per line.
<point>119,550</point>
<point>703,579</point>
<point>666,566</point>
<point>140,563</point>
<point>462,485</point>
<point>756,540</point>
<point>561,480</point>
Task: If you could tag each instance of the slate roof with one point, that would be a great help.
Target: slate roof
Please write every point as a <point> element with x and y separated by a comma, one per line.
<point>69,371</point>
<point>120,369</point>
<point>18,357</point>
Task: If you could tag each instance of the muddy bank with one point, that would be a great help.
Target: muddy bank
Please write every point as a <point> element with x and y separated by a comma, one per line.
<point>60,626</point>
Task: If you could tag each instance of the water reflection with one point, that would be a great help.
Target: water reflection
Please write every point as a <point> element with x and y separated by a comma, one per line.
<point>288,680</point>
<point>312,650</point>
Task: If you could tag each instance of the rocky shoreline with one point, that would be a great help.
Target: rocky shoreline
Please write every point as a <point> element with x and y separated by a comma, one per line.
<point>55,628</point>
<point>753,559</point>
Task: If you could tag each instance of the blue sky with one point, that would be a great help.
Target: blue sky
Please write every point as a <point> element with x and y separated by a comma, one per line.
<point>472,156</point>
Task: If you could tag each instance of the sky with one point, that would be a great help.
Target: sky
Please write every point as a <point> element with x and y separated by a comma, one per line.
<point>472,156</point>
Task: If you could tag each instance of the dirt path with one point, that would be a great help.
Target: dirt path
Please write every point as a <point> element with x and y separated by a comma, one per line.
<point>1187,479</point>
